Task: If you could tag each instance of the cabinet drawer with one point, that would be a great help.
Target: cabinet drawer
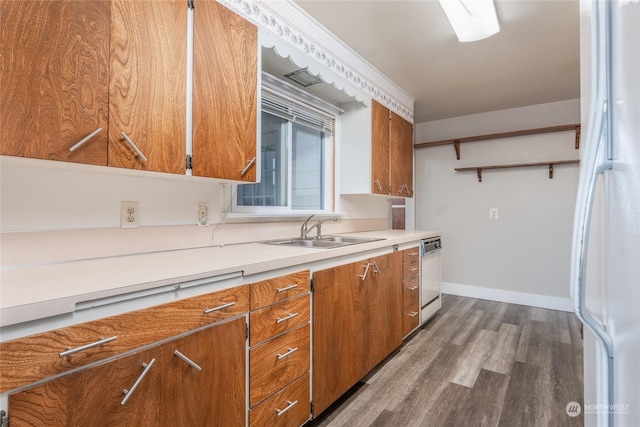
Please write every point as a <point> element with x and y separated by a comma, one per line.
<point>411,256</point>
<point>410,292</point>
<point>35,357</point>
<point>273,411</point>
<point>410,271</point>
<point>280,288</point>
<point>278,318</point>
<point>410,318</point>
<point>277,362</point>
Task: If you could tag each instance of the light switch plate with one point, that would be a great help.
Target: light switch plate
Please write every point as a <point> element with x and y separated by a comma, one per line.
<point>493,213</point>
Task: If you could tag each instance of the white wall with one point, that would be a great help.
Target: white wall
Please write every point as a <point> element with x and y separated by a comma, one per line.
<point>523,256</point>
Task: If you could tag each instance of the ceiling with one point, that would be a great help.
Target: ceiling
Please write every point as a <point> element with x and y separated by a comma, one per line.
<point>534,59</point>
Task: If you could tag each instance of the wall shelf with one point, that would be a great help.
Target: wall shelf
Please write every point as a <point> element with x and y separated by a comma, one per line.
<point>457,141</point>
<point>550,164</point>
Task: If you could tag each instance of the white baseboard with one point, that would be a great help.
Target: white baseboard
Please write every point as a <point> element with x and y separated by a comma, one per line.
<point>533,300</point>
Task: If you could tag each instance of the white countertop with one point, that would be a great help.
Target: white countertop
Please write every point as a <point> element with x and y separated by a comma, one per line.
<point>39,291</point>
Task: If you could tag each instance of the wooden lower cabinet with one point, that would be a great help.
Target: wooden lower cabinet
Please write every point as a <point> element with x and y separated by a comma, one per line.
<point>357,323</point>
<point>280,352</point>
<point>164,389</point>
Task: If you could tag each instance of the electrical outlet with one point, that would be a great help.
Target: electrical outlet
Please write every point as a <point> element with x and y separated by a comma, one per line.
<point>129,215</point>
<point>202,209</point>
<point>493,213</point>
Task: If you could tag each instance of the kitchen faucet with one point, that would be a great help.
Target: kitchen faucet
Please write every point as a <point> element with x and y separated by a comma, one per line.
<point>305,229</point>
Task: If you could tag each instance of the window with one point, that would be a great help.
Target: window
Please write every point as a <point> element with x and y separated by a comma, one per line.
<point>296,159</point>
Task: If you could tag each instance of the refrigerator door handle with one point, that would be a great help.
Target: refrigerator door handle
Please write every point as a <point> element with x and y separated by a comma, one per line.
<point>596,160</point>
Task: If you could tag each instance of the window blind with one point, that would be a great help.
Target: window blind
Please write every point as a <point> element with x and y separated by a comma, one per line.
<point>298,112</point>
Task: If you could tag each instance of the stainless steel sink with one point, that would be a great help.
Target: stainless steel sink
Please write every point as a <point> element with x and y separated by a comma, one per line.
<point>323,242</point>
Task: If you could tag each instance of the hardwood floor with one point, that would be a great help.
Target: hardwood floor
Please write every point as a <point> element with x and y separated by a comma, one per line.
<point>476,363</point>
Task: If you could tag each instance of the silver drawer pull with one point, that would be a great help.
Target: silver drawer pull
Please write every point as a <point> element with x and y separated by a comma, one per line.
<point>85,140</point>
<point>220,307</point>
<point>412,269</point>
<point>377,182</point>
<point>413,314</point>
<point>129,393</point>
<point>188,361</point>
<point>134,147</point>
<point>288,353</point>
<point>413,288</point>
<point>290,405</point>
<point>287,288</point>
<point>413,253</point>
<point>375,266</point>
<point>366,270</point>
<point>102,341</point>
<point>246,168</point>
<point>287,317</point>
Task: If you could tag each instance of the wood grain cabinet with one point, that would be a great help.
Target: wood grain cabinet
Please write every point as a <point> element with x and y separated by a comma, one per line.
<point>410,290</point>
<point>55,79</point>
<point>39,356</point>
<point>110,73</point>
<point>112,76</point>
<point>357,323</point>
<point>378,144</point>
<point>195,380</point>
<point>280,353</point>
<point>225,94</point>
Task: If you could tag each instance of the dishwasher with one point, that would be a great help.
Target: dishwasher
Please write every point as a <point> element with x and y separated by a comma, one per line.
<point>430,300</point>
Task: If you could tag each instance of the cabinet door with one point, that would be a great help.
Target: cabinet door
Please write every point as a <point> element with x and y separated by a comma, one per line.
<point>384,287</point>
<point>401,156</point>
<point>147,86</point>
<point>379,148</point>
<point>54,68</point>
<point>215,395</point>
<point>225,93</point>
<point>93,397</point>
<point>339,332</point>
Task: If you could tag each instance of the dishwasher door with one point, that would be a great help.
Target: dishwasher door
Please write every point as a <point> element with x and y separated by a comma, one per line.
<point>430,299</point>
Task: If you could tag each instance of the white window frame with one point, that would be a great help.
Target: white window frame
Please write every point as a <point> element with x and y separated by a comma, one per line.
<point>328,160</point>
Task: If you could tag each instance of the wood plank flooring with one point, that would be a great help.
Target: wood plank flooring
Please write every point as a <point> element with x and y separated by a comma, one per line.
<point>476,363</point>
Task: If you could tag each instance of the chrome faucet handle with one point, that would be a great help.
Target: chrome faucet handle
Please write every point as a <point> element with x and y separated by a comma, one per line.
<point>303,229</point>
<point>318,225</point>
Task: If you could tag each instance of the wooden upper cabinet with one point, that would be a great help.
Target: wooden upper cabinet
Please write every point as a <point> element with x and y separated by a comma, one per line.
<point>225,93</point>
<point>401,156</point>
<point>55,70</point>
<point>379,148</point>
<point>147,87</point>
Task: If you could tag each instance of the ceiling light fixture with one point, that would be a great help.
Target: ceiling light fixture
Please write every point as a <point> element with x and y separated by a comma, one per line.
<point>471,19</point>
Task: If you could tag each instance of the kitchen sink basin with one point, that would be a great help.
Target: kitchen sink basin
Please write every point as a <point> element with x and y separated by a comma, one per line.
<point>323,242</point>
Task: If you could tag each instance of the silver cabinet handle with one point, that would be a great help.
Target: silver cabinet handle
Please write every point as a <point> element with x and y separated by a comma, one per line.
<point>366,270</point>
<point>188,361</point>
<point>129,393</point>
<point>290,405</point>
<point>102,341</point>
<point>413,288</point>
<point>288,353</point>
<point>85,140</point>
<point>412,269</point>
<point>220,307</point>
<point>413,253</point>
<point>377,182</point>
<point>413,314</point>
<point>375,265</point>
<point>133,147</point>
<point>287,288</point>
<point>246,168</point>
<point>287,317</point>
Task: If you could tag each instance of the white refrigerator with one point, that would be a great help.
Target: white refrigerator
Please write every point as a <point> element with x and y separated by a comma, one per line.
<point>605,269</point>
